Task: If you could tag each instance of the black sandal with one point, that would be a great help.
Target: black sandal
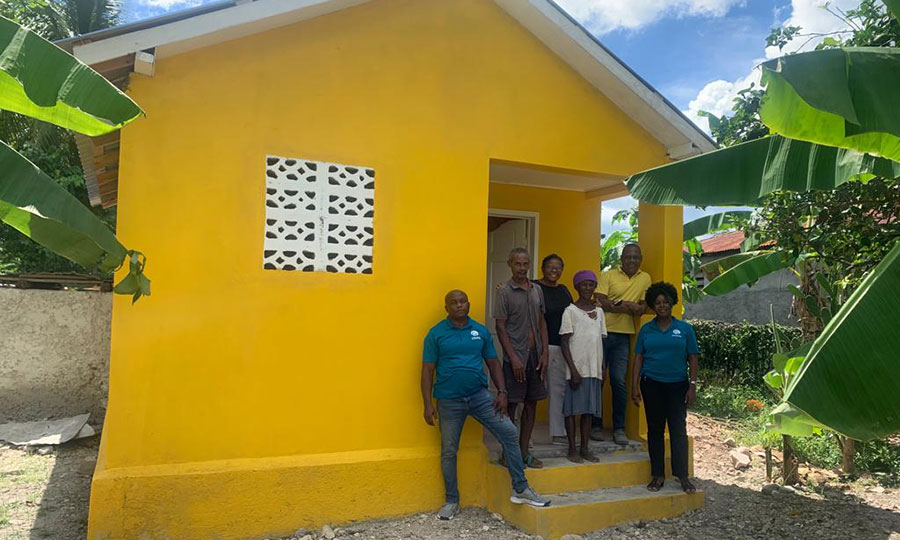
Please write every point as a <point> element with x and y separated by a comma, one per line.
<point>687,486</point>
<point>656,483</point>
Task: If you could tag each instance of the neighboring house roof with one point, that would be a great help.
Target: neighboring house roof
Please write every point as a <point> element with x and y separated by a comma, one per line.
<point>728,241</point>
<point>140,44</point>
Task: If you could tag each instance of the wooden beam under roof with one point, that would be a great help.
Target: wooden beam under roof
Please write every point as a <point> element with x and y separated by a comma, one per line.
<point>100,155</point>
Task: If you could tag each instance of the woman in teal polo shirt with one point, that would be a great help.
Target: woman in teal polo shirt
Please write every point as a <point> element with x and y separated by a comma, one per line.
<point>665,375</point>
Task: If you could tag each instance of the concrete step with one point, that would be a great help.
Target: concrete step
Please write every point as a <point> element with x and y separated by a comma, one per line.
<point>579,512</point>
<point>614,469</point>
<point>544,450</point>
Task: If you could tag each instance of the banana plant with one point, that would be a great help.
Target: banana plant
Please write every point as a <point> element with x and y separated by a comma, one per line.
<point>836,118</point>
<point>40,80</point>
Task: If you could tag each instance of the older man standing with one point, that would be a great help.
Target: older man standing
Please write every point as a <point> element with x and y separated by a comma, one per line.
<point>620,293</point>
<point>455,348</point>
<point>522,330</point>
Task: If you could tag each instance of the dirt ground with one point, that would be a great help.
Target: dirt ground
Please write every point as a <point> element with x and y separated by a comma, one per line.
<point>44,494</point>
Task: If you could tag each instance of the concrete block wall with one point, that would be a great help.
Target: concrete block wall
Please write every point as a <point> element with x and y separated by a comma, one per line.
<point>54,354</point>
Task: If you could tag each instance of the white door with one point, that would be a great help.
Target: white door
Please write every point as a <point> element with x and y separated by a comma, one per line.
<point>512,234</point>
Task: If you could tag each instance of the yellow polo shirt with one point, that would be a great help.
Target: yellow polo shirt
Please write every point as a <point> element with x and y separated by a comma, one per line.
<point>616,285</point>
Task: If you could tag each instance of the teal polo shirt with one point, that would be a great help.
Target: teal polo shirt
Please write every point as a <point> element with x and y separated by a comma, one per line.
<point>665,353</point>
<point>459,354</point>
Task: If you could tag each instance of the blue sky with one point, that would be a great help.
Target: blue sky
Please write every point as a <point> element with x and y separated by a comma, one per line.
<point>697,53</point>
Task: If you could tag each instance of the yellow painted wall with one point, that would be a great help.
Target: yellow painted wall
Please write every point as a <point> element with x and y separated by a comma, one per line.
<point>227,361</point>
<point>569,224</point>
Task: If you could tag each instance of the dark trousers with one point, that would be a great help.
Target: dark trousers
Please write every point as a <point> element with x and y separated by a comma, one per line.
<point>664,404</point>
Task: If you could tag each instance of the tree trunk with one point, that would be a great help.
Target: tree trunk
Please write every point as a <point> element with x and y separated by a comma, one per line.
<point>789,464</point>
<point>848,451</point>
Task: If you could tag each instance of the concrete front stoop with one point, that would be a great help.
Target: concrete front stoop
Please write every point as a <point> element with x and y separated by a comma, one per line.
<point>589,496</point>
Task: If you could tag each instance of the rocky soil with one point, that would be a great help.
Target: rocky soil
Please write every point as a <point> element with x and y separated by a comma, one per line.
<point>44,494</point>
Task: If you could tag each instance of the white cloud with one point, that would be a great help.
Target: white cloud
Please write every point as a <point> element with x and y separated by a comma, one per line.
<point>717,97</point>
<point>607,15</point>
<point>812,17</point>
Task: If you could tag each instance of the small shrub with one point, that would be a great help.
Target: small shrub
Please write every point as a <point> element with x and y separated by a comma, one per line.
<point>728,401</point>
<point>818,450</point>
<point>879,456</point>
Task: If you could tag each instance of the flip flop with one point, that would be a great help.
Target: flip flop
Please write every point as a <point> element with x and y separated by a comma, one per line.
<point>533,462</point>
<point>656,483</point>
<point>687,486</point>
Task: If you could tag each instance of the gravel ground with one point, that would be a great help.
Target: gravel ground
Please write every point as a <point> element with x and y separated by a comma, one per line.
<point>45,495</point>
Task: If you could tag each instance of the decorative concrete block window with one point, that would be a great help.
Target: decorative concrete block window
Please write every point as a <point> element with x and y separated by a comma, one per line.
<point>318,216</point>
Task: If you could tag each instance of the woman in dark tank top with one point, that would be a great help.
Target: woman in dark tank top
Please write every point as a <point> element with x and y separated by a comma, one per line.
<point>556,299</point>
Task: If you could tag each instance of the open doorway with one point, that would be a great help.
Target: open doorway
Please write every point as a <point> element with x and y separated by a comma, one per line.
<point>507,229</point>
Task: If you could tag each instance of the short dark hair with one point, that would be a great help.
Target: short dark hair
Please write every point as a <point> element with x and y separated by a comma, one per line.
<point>633,245</point>
<point>658,288</point>
<point>550,257</point>
<point>518,251</point>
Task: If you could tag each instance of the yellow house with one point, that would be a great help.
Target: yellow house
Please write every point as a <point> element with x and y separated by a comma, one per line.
<point>310,179</point>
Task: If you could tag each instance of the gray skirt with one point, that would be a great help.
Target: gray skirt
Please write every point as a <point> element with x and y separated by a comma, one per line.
<point>585,399</point>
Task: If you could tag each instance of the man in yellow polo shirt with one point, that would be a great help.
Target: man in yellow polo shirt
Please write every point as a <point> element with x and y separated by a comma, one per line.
<point>620,293</point>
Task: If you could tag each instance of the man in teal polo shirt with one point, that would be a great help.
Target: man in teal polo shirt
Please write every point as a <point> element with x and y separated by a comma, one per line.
<point>455,348</point>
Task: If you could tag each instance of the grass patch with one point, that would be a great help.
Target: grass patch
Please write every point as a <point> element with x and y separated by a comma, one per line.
<point>4,516</point>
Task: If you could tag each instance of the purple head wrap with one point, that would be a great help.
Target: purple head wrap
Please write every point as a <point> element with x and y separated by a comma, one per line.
<point>584,275</point>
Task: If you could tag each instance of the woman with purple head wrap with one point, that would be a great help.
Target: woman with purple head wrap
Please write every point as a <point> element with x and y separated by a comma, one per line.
<point>582,330</point>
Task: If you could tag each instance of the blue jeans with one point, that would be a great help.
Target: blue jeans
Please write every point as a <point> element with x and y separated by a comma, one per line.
<point>480,405</point>
<point>615,354</point>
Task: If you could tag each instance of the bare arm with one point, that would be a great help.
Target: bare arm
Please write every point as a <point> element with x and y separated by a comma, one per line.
<point>503,336</point>
<point>427,378</point>
<point>496,372</point>
<point>575,379</point>
<point>545,344</point>
<point>608,306</point>
<point>636,308</point>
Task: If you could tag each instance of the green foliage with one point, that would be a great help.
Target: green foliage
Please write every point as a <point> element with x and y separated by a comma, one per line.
<point>51,148</point>
<point>611,248</point>
<point>879,456</point>
<point>820,450</point>
<point>58,19</point>
<point>54,153</point>
<point>743,124</point>
<point>737,353</point>
<point>729,401</point>
<point>851,228</point>
<point>42,81</point>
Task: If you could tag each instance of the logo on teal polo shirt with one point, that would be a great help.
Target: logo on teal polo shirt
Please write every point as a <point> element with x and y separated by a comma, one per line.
<point>475,335</point>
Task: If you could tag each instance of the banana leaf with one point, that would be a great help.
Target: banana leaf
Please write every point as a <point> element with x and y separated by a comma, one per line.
<point>893,7</point>
<point>743,173</point>
<point>40,80</point>
<point>848,381</point>
<point>747,269</point>
<point>713,223</point>
<point>38,207</point>
<point>35,205</point>
<point>846,98</point>
<point>714,268</point>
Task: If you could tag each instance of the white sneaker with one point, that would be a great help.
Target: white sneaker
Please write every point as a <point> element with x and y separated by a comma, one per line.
<point>528,496</point>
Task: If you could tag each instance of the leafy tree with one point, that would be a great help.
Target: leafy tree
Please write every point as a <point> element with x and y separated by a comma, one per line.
<point>50,147</point>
